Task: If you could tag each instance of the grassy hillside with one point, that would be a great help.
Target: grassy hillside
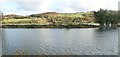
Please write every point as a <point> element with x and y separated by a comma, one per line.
<point>51,18</point>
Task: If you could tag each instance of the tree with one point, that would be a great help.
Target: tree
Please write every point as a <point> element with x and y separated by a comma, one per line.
<point>100,16</point>
<point>107,17</point>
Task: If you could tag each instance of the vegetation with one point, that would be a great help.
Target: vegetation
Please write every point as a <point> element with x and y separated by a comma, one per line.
<point>24,21</point>
<point>106,18</point>
<point>50,18</point>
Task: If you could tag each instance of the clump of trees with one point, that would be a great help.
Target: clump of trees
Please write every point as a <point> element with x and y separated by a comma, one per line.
<point>107,18</point>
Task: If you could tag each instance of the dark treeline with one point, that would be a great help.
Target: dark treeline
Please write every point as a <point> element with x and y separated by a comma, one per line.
<point>107,18</point>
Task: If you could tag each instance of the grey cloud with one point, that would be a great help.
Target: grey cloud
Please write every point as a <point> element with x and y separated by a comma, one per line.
<point>38,6</point>
<point>58,5</point>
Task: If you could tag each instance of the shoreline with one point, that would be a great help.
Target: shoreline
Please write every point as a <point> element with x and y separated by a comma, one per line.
<point>55,26</point>
<point>48,26</point>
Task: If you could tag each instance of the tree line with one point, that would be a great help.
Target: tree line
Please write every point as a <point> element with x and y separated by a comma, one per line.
<point>107,18</point>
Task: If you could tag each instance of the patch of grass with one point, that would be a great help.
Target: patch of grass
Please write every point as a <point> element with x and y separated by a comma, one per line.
<point>24,21</point>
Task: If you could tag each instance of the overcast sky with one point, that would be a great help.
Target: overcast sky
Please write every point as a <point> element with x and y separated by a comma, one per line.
<point>26,7</point>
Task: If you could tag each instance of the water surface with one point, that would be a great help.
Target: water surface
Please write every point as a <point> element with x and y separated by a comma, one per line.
<point>91,41</point>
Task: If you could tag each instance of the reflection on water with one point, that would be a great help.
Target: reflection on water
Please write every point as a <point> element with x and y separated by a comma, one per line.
<point>60,42</point>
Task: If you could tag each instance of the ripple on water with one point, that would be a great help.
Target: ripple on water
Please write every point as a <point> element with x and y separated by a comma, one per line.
<point>60,42</point>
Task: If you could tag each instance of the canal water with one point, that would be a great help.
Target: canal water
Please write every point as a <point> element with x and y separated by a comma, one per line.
<point>84,41</point>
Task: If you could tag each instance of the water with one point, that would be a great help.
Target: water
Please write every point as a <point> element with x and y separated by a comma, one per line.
<point>91,41</point>
<point>0,42</point>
